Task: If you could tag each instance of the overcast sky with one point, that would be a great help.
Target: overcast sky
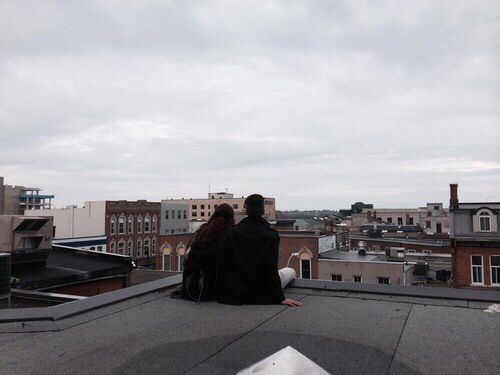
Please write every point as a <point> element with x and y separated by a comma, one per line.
<point>317,103</point>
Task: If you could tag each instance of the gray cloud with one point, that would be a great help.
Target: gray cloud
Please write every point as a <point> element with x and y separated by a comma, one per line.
<point>317,103</point>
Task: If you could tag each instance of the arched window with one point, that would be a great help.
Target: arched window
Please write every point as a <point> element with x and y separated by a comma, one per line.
<point>181,252</point>
<point>305,256</point>
<point>121,224</point>
<point>112,226</point>
<point>139,224</point>
<point>130,224</point>
<point>147,224</point>
<point>146,247</point>
<point>166,251</point>
<point>153,246</point>
<point>130,247</point>
<point>485,221</point>
<point>121,247</point>
<point>139,248</point>
<point>153,225</point>
<point>112,247</point>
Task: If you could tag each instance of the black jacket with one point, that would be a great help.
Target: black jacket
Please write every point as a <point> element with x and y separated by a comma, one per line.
<point>247,262</point>
<point>200,271</point>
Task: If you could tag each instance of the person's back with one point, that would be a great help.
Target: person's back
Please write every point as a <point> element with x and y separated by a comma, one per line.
<point>248,261</point>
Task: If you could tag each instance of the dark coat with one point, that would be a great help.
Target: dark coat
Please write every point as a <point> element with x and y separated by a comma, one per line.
<point>200,271</point>
<point>247,262</point>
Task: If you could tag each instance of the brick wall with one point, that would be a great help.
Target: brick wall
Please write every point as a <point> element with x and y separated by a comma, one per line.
<point>461,264</point>
<point>93,288</point>
<point>289,245</point>
<point>172,241</point>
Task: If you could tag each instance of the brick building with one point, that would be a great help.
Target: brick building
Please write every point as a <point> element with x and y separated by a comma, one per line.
<point>133,228</point>
<point>475,241</point>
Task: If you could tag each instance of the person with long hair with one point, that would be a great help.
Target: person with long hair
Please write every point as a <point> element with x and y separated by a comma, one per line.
<point>200,266</point>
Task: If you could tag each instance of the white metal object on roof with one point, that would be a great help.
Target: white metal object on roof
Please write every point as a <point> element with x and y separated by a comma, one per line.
<point>287,361</point>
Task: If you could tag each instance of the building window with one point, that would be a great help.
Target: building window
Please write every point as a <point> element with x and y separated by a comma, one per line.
<point>147,222</point>
<point>336,277</point>
<point>153,246</point>
<point>495,269</point>
<point>121,247</point>
<point>235,206</point>
<point>410,221</point>
<point>139,248</point>
<point>130,249</point>
<point>194,207</point>
<point>216,205</point>
<point>203,214</point>
<point>436,208</point>
<point>477,269</point>
<point>99,248</point>
<point>357,279</point>
<point>121,225</point>
<point>166,214</point>
<point>112,226</point>
<point>166,262</point>
<point>139,225</point>
<point>112,247</point>
<point>130,225</point>
<point>484,222</point>
<point>179,214</point>
<point>153,227</point>
<point>146,248</point>
<point>202,207</point>
<point>439,228</point>
<point>185,214</point>
<point>383,280</point>
<point>427,251</point>
<point>400,221</point>
<point>181,263</point>
<point>305,268</point>
<point>92,247</point>
<point>195,214</point>
<point>427,224</point>
<point>389,220</point>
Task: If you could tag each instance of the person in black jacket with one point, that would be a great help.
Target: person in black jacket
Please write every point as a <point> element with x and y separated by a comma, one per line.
<point>200,269</point>
<point>248,261</point>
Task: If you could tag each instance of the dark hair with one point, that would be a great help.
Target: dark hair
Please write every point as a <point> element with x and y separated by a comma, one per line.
<point>254,205</point>
<point>219,222</point>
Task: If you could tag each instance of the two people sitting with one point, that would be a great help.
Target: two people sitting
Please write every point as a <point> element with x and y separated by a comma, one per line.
<point>235,264</point>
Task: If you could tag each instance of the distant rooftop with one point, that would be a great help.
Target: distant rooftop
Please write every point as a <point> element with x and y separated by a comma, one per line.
<point>344,328</point>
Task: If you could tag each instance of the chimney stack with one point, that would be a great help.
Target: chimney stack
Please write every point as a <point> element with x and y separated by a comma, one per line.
<point>453,196</point>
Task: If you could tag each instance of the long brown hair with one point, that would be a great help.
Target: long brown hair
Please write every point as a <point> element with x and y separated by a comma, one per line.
<point>217,225</point>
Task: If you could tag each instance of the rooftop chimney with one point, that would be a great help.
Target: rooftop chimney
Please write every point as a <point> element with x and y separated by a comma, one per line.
<point>453,196</point>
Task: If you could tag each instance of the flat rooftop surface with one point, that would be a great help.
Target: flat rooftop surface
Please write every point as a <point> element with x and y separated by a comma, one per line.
<point>344,332</point>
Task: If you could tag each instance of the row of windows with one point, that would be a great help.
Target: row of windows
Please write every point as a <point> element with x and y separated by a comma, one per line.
<point>359,279</point>
<point>477,271</point>
<point>127,248</point>
<point>175,214</point>
<point>202,206</point>
<point>127,226</point>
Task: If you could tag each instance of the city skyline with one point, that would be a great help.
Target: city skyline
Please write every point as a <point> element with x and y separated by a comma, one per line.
<point>318,104</point>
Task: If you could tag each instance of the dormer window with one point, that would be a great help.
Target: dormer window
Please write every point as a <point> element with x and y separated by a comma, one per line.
<point>485,221</point>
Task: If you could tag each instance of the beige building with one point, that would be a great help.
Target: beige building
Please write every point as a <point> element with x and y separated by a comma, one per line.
<point>345,266</point>
<point>15,199</point>
<point>27,238</point>
<point>202,209</point>
<point>74,222</point>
